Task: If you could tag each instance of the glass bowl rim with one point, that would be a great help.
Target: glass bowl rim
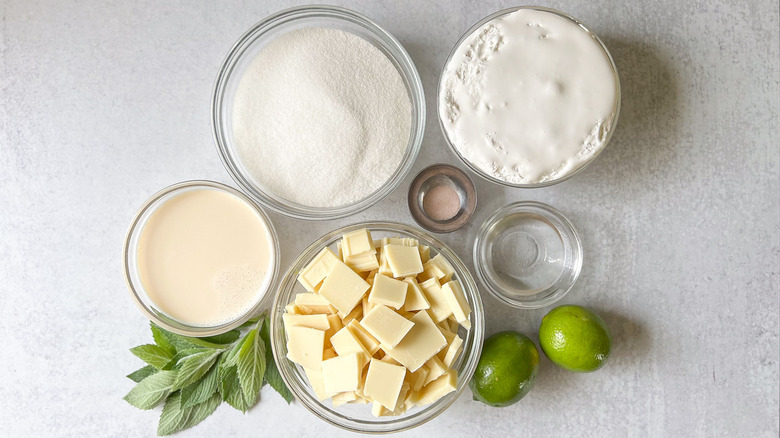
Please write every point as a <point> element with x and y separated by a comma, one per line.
<point>391,47</point>
<point>137,290</point>
<point>484,175</point>
<point>562,225</point>
<point>392,424</point>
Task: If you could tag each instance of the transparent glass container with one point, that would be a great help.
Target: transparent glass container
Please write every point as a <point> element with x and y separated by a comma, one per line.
<point>136,288</point>
<point>528,255</point>
<point>357,417</point>
<point>467,34</point>
<point>241,56</point>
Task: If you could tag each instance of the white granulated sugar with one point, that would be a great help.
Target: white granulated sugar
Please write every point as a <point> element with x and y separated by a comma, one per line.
<point>321,118</point>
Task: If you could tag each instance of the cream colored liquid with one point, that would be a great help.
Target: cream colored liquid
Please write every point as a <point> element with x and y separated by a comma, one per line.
<point>203,257</point>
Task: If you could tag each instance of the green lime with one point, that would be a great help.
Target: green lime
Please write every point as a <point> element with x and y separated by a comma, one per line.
<point>506,369</point>
<point>575,338</point>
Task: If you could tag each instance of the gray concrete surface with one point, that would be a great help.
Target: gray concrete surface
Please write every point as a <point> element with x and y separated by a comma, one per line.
<point>104,103</point>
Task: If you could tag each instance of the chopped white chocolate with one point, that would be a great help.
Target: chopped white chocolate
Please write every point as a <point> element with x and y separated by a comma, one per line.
<point>356,313</point>
<point>452,351</point>
<point>292,309</point>
<point>317,269</point>
<point>363,262</point>
<point>444,266</point>
<point>400,406</point>
<point>388,291</point>
<point>439,309</point>
<point>343,288</point>
<point>342,373</point>
<point>343,398</point>
<point>345,342</point>
<point>334,325</point>
<point>436,368</point>
<point>417,379</point>
<point>365,338</point>
<point>386,326</point>
<point>453,294</point>
<point>437,389</point>
<point>403,260</point>
<point>357,242</point>
<point>415,299</point>
<point>317,382</point>
<point>328,353</point>
<point>311,303</point>
<point>305,346</point>
<point>425,253</point>
<point>383,382</point>
<point>420,344</point>
<point>405,241</point>
<point>318,321</point>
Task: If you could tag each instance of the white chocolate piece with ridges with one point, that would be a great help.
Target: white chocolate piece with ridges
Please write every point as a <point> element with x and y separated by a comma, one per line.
<point>318,321</point>
<point>357,242</point>
<point>292,309</point>
<point>422,342</point>
<point>343,288</point>
<point>405,241</point>
<point>403,260</point>
<point>439,309</point>
<point>363,262</point>
<point>415,298</point>
<point>311,303</point>
<point>383,382</point>
<point>388,327</point>
<point>305,346</point>
<point>453,294</point>
<point>365,338</point>
<point>388,291</point>
<point>345,342</point>
<point>444,266</point>
<point>437,389</point>
<point>317,269</point>
<point>342,373</point>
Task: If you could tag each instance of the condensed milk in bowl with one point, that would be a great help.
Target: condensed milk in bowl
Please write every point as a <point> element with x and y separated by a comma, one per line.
<point>528,97</point>
<point>200,257</point>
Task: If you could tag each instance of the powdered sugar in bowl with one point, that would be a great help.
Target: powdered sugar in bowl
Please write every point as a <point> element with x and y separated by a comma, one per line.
<point>318,113</point>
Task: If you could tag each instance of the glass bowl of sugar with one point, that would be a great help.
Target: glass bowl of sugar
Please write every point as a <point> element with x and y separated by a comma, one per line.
<point>317,112</point>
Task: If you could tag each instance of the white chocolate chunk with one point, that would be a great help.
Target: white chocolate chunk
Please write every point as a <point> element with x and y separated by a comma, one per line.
<point>443,266</point>
<point>388,291</point>
<point>415,299</point>
<point>345,343</point>
<point>403,260</point>
<point>425,253</point>
<point>317,383</point>
<point>454,296</point>
<point>437,389</point>
<point>436,369</point>
<point>386,326</point>
<point>363,262</point>
<point>439,309</point>
<point>311,303</point>
<point>342,373</point>
<point>365,338</point>
<point>305,346</point>
<point>453,350</point>
<point>317,269</point>
<point>343,288</point>
<point>319,321</point>
<point>420,344</point>
<point>343,397</point>
<point>383,382</point>
<point>357,242</point>
<point>417,379</point>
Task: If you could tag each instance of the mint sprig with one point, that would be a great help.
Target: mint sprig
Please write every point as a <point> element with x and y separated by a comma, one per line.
<point>193,376</point>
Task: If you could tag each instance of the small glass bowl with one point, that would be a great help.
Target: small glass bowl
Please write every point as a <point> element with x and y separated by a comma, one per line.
<point>130,260</point>
<point>453,179</point>
<point>241,56</point>
<point>528,255</point>
<point>473,29</point>
<point>355,417</point>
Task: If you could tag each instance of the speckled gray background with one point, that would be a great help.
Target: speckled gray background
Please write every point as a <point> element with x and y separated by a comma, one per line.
<point>102,104</point>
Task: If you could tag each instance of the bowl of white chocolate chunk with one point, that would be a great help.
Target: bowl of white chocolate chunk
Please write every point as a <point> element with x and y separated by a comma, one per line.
<point>377,327</point>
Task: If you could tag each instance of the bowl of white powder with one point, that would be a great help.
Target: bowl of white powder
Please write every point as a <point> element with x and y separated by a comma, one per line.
<point>318,112</point>
<point>528,97</point>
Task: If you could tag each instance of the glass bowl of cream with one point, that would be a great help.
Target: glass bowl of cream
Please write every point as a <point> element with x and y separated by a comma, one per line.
<point>200,258</point>
<point>528,97</point>
<point>358,417</point>
<point>317,112</point>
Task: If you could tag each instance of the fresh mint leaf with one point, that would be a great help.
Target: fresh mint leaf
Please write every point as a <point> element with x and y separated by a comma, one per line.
<point>151,390</point>
<point>194,366</point>
<point>272,375</point>
<point>231,357</point>
<point>174,364</point>
<point>142,373</point>
<point>152,354</point>
<point>251,366</point>
<point>184,342</point>
<point>202,390</point>
<point>158,334</point>
<point>230,388</point>
<point>174,417</point>
<point>223,339</point>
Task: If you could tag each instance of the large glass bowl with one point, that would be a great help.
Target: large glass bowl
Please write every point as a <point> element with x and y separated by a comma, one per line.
<point>133,278</point>
<point>241,56</point>
<point>473,29</point>
<point>354,417</point>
